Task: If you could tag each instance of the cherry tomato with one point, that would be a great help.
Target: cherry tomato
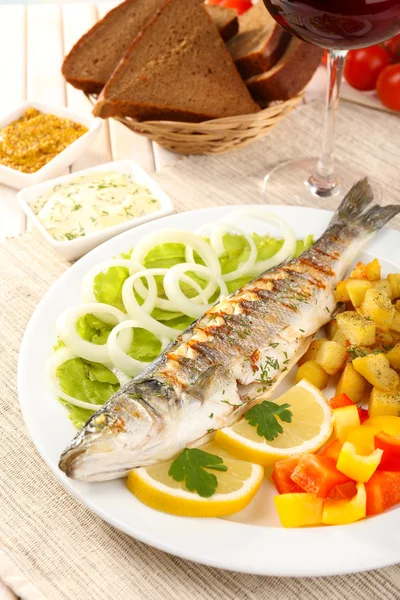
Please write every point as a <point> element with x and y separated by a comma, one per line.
<point>214,2</point>
<point>388,87</point>
<point>240,6</point>
<point>393,47</point>
<point>363,66</point>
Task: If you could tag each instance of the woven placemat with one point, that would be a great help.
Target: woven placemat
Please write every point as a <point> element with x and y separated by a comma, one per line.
<point>52,547</point>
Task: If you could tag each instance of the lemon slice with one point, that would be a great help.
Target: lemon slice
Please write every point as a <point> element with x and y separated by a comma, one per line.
<point>236,487</point>
<point>310,428</point>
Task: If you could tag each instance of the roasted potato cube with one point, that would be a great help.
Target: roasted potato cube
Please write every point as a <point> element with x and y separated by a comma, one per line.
<point>393,357</point>
<point>370,271</point>
<point>378,307</point>
<point>340,338</point>
<point>397,305</point>
<point>384,403</point>
<point>341,293</point>
<point>373,270</point>
<point>357,288</point>
<point>331,356</point>
<point>351,383</point>
<point>359,272</point>
<point>395,325</point>
<point>394,280</point>
<point>376,369</point>
<point>383,285</point>
<point>358,331</point>
<point>331,328</point>
<point>383,339</point>
<point>314,373</point>
<point>311,352</point>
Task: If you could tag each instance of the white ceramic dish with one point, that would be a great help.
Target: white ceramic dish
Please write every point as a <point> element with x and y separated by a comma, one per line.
<point>72,249</point>
<point>251,541</point>
<point>19,180</point>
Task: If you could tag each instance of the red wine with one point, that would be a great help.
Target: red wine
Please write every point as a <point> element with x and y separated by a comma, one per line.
<point>340,24</point>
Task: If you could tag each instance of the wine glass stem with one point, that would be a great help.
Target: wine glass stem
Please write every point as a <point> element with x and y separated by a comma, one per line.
<point>323,181</point>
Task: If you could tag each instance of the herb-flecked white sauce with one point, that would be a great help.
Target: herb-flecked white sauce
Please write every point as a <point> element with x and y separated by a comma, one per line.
<point>91,203</point>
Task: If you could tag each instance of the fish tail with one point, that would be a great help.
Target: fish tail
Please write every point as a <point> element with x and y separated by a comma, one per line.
<point>353,209</point>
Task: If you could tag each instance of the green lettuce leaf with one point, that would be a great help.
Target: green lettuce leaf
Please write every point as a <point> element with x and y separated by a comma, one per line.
<point>303,245</point>
<point>145,345</point>
<point>86,381</point>
<point>92,329</point>
<point>107,286</point>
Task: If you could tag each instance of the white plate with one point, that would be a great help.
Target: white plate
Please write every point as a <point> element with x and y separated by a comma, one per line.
<point>72,249</point>
<point>251,541</point>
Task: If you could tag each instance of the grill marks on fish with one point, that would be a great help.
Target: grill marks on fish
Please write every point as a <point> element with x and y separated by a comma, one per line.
<point>241,348</point>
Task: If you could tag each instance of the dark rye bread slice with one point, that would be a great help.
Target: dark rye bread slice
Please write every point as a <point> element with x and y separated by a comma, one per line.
<point>290,75</point>
<point>260,42</point>
<point>96,55</point>
<point>225,19</point>
<point>177,69</point>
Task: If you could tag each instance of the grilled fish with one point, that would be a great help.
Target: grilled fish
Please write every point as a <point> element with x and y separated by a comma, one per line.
<point>223,363</point>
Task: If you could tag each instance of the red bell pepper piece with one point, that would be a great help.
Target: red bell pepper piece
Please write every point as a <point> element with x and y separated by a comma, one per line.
<point>344,491</point>
<point>318,474</point>
<point>390,444</point>
<point>383,491</point>
<point>363,414</point>
<point>332,450</point>
<point>281,476</point>
<point>340,401</point>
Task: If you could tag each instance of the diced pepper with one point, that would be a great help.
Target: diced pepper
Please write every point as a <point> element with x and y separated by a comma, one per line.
<point>387,424</point>
<point>390,444</point>
<point>340,401</point>
<point>343,419</point>
<point>317,475</point>
<point>383,491</point>
<point>363,414</point>
<point>299,510</point>
<point>363,438</point>
<point>332,450</point>
<point>341,512</point>
<point>344,490</point>
<point>356,466</point>
<point>281,476</point>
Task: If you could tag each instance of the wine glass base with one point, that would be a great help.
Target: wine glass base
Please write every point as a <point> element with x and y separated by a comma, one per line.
<point>293,180</point>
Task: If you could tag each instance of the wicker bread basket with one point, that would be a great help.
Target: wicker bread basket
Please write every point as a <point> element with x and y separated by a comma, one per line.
<point>211,137</point>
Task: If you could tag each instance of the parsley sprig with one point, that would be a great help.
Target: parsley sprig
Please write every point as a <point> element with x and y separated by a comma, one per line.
<point>190,466</point>
<point>264,417</point>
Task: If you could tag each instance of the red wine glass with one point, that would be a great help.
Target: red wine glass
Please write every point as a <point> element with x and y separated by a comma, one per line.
<point>337,25</point>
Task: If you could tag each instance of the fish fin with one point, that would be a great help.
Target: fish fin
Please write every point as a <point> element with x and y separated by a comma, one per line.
<point>354,205</point>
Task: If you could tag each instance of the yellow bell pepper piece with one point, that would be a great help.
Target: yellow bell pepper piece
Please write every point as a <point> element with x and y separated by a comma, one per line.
<point>387,424</point>
<point>356,466</point>
<point>341,512</point>
<point>345,417</point>
<point>299,510</point>
<point>363,438</point>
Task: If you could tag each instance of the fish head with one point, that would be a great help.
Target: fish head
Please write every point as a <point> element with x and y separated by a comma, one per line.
<point>126,432</point>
